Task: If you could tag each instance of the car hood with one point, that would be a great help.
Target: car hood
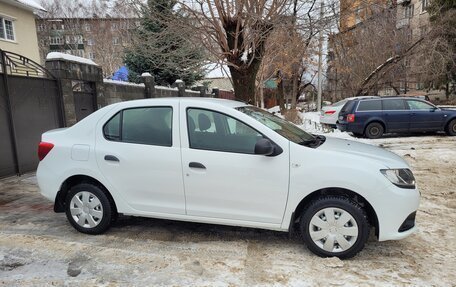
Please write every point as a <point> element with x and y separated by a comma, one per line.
<point>382,156</point>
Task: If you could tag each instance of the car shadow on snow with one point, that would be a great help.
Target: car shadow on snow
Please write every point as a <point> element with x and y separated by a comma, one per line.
<point>171,230</point>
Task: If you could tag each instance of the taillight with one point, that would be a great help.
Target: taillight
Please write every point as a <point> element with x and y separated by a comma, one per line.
<point>43,149</point>
<point>350,118</point>
<point>329,112</point>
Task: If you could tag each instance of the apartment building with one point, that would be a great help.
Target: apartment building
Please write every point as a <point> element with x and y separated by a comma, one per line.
<point>102,40</point>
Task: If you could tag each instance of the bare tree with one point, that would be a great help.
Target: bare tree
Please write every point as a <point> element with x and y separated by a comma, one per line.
<point>371,55</point>
<point>235,32</point>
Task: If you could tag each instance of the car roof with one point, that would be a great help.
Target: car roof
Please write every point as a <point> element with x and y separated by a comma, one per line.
<point>222,102</point>
<point>392,97</point>
<point>363,97</point>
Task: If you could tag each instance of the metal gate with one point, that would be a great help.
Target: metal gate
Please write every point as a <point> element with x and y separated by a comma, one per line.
<point>30,104</point>
<point>84,99</point>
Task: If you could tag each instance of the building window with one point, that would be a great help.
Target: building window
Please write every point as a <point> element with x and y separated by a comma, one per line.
<point>87,27</point>
<point>7,29</point>
<point>90,42</point>
<point>56,40</point>
<point>78,39</point>
<point>424,5</point>
<point>115,40</point>
<point>409,11</point>
<point>114,26</point>
<point>41,27</point>
<point>91,55</point>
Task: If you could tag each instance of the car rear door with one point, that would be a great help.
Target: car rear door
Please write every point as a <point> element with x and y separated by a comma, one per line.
<point>396,115</point>
<point>424,116</point>
<point>138,152</point>
<point>223,177</point>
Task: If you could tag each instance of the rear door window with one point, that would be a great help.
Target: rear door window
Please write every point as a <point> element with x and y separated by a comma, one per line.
<point>146,125</point>
<point>370,105</point>
<point>393,105</point>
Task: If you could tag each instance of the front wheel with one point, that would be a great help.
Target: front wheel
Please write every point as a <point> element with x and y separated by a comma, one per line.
<point>334,226</point>
<point>88,209</point>
<point>451,128</point>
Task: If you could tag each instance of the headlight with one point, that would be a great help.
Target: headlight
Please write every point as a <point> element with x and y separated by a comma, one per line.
<point>401,177</point>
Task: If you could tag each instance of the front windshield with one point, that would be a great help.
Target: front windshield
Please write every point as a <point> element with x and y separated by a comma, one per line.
<point>280,126</point>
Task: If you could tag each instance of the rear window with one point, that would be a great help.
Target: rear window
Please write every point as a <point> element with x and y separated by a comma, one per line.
<point>339,103</point>
<point>371,105</point>
<point>348,107</point>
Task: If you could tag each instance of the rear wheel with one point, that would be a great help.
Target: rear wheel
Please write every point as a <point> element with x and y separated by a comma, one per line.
<point>88,209</point>
<point>451,128</point>
<point>334,226</point>
<point>374,130</point>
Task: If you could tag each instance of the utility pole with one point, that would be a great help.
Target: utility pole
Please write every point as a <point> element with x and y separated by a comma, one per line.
<point>320,56</point>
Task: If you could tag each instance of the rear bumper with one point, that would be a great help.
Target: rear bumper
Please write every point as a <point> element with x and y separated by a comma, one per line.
<point>350,127</point>
<point>328,120</point>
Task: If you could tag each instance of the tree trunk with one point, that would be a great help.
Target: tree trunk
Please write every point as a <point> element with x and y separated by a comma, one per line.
<point>281,96</point>
<point>294,93</point>
<point>244,83</point>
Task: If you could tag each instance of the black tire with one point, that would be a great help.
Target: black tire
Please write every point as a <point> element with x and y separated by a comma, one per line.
<point>105,206</point>
<point>374,130</point>
<point>451,128</point>
<point>339,203</point>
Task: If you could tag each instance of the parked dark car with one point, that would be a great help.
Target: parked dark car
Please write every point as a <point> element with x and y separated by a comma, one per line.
<point>374,117</point>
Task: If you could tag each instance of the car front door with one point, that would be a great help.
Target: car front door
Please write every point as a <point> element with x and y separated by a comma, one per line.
<point>424,116</point>
<point>223,176</point>
<point>396,115</point>
<point>138,152</point>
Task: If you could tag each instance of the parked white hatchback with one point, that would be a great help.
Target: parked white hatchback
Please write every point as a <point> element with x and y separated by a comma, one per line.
<point>225,162</point>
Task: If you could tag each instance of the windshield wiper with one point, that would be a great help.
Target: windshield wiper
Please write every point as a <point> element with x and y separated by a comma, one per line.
<point>315,142</point>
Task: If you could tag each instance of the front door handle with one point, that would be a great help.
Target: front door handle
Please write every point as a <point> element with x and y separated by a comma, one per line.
<point>111,158</point>
<point>196,165</point>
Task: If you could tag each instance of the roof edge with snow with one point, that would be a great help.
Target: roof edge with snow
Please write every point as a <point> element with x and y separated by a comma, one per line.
<point>68,57</point>
<point>29,5</point>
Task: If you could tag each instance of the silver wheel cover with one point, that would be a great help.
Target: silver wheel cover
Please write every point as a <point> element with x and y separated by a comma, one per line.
<point>333,229</point>
<point>86,209</point>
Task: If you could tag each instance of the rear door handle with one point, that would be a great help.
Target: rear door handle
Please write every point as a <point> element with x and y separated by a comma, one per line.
<point>111,158</point>
<point>196,165</point>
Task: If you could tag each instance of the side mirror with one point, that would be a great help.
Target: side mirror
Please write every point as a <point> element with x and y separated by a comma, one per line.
<point>434,109</point>
<point>264,147</point>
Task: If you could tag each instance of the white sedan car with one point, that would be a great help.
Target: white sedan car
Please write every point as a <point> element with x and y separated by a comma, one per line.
<point>330,114</point>
<point>225,162</point>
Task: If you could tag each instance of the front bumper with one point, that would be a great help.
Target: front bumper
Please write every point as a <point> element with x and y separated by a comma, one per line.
<point>397,220</point>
